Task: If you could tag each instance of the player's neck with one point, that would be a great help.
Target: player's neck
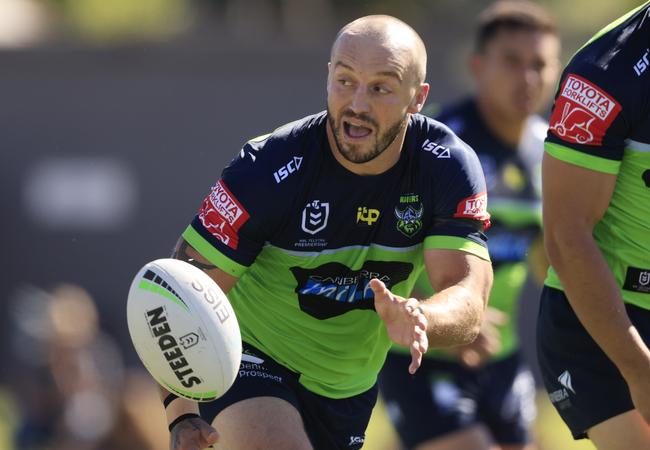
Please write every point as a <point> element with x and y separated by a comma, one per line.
<point>379,165</point>
<point>505,128</point>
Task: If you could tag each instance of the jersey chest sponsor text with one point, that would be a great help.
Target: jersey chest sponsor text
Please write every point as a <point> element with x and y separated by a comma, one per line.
<point>332,289</point>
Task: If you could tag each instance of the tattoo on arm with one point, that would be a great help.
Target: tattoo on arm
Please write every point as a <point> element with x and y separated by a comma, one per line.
<point>182,252</point>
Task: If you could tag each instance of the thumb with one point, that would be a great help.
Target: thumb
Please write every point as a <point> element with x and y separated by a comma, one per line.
<point>380,290</point>
<point>377,286</point>
<point>382,295</point>
<point>209,433</point>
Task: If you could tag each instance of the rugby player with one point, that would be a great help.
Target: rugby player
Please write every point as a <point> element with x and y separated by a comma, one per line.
<point>594,323</point>
<point>318,232</point>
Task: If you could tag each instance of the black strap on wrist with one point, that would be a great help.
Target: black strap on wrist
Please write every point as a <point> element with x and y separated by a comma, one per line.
<point>170,398</point>
<point>180,418</point>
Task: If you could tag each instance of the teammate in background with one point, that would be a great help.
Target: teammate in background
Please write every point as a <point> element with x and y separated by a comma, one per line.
<point>481,396</point>
<point>318,232</point>
<point>594,324</point>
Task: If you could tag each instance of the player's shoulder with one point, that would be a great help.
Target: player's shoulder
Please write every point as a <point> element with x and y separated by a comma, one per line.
<point>273,157</point>
<point>614,60</point>
<point>604,92</point>
<point>438,147</point>
<point>293,138</point>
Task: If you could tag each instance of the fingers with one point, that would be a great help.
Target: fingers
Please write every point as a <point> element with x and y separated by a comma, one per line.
<point>476,354</point>
<point>496,317</point>
<point>417,313</point>
<point>422,340</point>
<point>379,289</point>
<point>418,348</point>
<point>209,434</point>
<point>416,358</point>
<point>193,434</point>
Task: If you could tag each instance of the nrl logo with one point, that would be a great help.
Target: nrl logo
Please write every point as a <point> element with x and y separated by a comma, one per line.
<point>409,219</point>
<point>189,340</point>
<point>644,278</point>
<point>314,216</point>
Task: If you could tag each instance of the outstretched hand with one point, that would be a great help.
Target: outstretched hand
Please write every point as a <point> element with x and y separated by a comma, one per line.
<point>192,434</point>
<point>404,320</point>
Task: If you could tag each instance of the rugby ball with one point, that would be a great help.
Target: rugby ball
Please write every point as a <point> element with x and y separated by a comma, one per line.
<point>184,329</point>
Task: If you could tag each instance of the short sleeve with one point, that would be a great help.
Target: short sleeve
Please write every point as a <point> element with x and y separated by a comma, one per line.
<point>459,203</point>
<point>230,227</point>
<point>587,127</point>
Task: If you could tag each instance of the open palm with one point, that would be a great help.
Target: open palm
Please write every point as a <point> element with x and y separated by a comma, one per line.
<point>404,319</point>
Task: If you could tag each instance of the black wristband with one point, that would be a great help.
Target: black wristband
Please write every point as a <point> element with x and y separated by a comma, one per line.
<point>180,418</point>
<point>170,398</point>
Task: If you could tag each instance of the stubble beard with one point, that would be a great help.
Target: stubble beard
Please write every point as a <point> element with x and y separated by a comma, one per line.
<point>352,152</point>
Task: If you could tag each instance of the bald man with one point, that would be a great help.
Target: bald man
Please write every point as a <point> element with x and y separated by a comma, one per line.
<point>318,232</point>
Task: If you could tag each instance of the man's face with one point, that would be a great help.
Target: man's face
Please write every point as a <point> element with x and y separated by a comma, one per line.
<point>371,88</point>
<point>516,71</point>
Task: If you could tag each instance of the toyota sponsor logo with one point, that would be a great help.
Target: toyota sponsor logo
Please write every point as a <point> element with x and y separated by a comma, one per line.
<point>474,207</point>
<point>222,215</point>
<point>583,112</point>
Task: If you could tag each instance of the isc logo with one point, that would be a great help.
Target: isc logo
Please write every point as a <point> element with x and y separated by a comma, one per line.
<point>642,64</point>
<point>440,151</point>
<point>289,168</point>
<point>367,216</point>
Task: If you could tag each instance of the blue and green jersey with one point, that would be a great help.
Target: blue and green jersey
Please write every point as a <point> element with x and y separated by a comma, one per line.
<point>601,121</point>
<point>305,236</point>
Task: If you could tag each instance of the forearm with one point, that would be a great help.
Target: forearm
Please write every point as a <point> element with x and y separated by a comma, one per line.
<point>595,297</point>
<point>454,316</point>
<point>177,407</point>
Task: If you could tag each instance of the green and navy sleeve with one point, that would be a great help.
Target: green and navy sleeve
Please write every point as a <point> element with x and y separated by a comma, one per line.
<point>234,219</point>
<point>459,197</point>
<point>601,97</point>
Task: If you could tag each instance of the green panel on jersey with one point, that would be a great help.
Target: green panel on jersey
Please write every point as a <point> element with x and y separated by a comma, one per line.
<point>508,283</point>
<point>211,254</point>
<point>581,159</point>
<point>338,356</point>
<point>622,233</point>
<point>456,243</point>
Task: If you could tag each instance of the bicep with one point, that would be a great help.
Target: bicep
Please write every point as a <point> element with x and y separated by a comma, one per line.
<point>185,252</point>
<point>574,197</point>
<point>447,268</point>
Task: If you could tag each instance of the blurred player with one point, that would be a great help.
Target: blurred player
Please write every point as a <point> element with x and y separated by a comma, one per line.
<point>483,394</point>
<point>594,323</point>
<point>318,232</point>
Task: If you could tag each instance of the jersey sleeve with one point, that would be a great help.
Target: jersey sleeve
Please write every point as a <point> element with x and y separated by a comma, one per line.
<point>459,203</point>
<point>594,111</point>
<point>232,223</point>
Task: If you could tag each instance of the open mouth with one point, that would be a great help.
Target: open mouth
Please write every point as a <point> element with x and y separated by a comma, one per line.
<point>356,131</point>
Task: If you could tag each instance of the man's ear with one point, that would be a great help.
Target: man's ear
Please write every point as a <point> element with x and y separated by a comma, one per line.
<point>419,98</point>
<point>475,64</point>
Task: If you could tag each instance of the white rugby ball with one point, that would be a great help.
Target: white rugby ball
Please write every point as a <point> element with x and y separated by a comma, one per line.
<point>184,329</point>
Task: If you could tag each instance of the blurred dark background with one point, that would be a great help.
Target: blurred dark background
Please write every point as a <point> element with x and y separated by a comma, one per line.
<point>115,118</point>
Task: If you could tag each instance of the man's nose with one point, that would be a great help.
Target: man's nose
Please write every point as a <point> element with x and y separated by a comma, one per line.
<point>359,102</point>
